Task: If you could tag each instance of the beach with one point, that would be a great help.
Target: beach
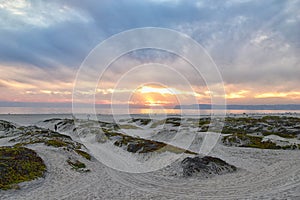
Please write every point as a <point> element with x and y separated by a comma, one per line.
<point>260,174</point>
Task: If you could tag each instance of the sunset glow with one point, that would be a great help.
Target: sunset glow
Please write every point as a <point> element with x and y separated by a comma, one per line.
<point>256,52</point>
<point>162,91</point>
<point>153,96</point>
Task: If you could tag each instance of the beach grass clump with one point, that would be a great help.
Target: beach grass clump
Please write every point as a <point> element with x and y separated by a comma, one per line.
<point>283,135</point>
<point>158,123</point>
<point>174,121</point>
<point>77,165</point>
<point>141,121</point>
<point>232,130</point>
<point>19,164</point>
<point>56,143</point>
<point>263,145</point>
<point>291,147</point>
<point>140,145</point>
<point>174,149</point>
<point>33,135</point>
<point>6,126</point>
<point>244,140</point>
<point>283,126</point>
<point>83,154</point>
<point>204,121</point>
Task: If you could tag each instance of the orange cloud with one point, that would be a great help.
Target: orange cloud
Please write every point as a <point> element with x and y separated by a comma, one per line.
<point>278,94</point>
<point>237,95</point>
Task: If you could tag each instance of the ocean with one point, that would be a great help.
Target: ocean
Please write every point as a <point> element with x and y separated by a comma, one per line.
<point>146,111</point>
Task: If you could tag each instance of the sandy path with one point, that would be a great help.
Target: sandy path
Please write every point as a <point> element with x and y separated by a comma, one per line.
<point>266,174</point>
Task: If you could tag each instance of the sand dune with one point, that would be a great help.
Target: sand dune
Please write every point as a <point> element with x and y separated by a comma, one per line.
<point>261,174</point>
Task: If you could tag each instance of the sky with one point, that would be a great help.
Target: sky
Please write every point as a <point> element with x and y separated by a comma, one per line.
<point>255,45</point>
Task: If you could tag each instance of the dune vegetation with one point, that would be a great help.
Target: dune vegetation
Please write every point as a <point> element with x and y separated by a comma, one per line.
<point>19,164</point>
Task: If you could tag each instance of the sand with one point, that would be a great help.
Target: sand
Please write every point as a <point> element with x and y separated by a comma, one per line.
<point>261,174</point>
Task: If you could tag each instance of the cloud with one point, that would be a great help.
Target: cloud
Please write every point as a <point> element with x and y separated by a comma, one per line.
<point>22,14</point>
<point>255,44</point>
<point>30,83</point>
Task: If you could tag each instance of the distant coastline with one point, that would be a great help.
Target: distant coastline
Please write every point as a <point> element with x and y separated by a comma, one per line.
<point>66,108</point>
<point>240,107</point>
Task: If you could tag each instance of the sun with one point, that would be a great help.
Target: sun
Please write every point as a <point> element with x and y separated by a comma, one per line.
<point>149,101</point>
<point>154,96</point>
<point>159,90</point>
